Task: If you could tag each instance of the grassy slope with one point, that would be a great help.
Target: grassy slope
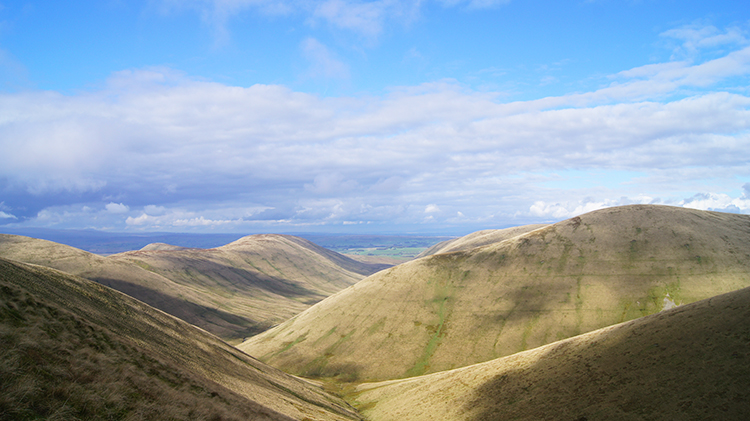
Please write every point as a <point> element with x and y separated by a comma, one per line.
<point>233,291</point>
<point>479,239</point>
<point>73,349</point>
<point>688,363</point>
<point>452,310</point>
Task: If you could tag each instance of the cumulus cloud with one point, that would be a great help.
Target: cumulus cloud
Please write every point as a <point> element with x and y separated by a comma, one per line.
<point>116,208</point>
<point>569,209</point>
<point>190,153</point>
<point>431,208</point>
<point>718,202</point>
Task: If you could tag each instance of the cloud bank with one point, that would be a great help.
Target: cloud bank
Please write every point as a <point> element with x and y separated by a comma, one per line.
<point>155,149</point>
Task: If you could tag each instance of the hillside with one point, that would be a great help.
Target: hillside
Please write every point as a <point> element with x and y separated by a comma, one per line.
<point>232,291</point>
<point>478,239</point>
<point>688,363</point>
<point>73,349</point>
<point>455,309</point>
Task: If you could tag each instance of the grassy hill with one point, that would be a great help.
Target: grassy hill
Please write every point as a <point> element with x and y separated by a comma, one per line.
<point>233,291</point>
<point>74,349</point>
<point>688,363</point>
<point>456,309</point>
<point>479,239</point>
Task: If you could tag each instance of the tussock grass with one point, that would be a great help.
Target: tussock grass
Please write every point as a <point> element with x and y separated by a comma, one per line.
<point>234,291</point>
<point>454,309</point>
<point>687,363</point>
<point>72,349</point>
<point>479,239</point>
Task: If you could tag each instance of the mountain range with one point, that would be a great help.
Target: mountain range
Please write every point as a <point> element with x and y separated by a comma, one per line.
<point>626,313</point>
<point>233,291</point>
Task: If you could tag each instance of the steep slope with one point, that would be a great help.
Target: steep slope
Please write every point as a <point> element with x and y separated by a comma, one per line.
<point>479,239</point>
<point>688,363</point>
<point>455,309</point>
<point>232,291</point>
<point>74,349</point>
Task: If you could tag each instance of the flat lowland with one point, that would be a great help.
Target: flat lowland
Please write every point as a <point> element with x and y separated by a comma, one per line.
<point>233,291</point>
<point>452,310</point>
<point>74,349</point>
<point>687,363</point>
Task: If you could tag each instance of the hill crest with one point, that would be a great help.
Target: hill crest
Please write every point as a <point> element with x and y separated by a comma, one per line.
<point>455,309</point>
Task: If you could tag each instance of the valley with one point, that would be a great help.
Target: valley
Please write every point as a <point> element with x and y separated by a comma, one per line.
<point>593,317</point>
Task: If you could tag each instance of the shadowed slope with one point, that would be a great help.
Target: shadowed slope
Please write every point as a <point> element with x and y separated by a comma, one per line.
<point>690,362</point>
<point>479,239</point>
<point>233,291</point>
<point>451,310</point>
<point>73,349</point>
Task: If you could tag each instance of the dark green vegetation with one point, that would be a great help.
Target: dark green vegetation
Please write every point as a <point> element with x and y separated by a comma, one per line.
<point>393,249</point>
<point>342,243</point>
<point>454,309</point>
<point>233,291</point>
<point>73,349</point>
<point>688,363</point>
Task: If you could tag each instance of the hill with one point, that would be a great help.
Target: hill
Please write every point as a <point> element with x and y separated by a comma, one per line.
<point>478,239</point>
<point>456,309</point>
<point>232,291</point>
<point>161,246</point>
<point>688,363</point>
<point>74,349</point>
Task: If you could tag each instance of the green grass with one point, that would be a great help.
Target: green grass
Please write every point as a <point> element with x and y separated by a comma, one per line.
<point>401,253</point>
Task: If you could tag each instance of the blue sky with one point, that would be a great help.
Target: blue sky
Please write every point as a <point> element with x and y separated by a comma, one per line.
<point>367,116</point>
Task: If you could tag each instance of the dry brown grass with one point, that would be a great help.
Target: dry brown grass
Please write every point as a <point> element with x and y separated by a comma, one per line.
<point>479,239</point>
<point>455,309</point>
<point>234,291</point>
<point>688,363</point>
<point>72,349</point>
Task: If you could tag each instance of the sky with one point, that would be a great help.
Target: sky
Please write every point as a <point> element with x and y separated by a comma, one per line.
<point>386,116</point>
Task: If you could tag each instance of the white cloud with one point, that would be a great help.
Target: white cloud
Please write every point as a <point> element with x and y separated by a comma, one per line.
<point>207,154</point>
<point>201,221</point>
<point>432,208</point>
<point>4,215</point>
<point>116,208</point>
<point>564,210</point>
<point>696,37</point>
<point>154,210</point>
<point>718,202</point>
<point>141,220</point>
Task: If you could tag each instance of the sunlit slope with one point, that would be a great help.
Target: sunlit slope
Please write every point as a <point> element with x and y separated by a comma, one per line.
<point>688,363</point>
<point>233,291</point>
<point>479,239</point>
<point>74,349</point>
<point>452,310</point>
